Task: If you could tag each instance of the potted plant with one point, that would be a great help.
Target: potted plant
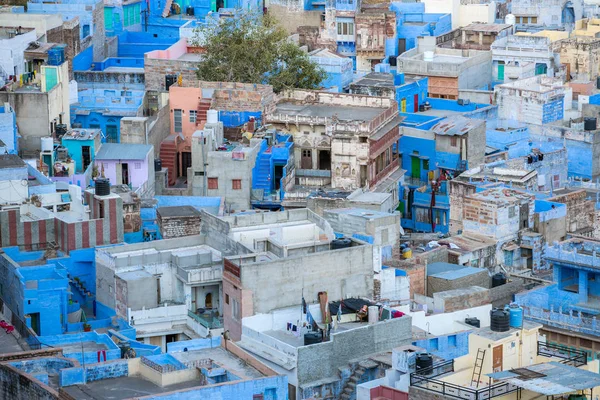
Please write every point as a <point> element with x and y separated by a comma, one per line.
<point>87,327</point>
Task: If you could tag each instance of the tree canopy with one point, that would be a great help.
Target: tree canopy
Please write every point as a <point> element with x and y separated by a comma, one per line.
<point>251,48</point>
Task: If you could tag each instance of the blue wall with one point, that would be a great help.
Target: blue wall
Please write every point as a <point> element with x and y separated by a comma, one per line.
<point>136,44</point>
<point>8,131</point>
<point>447,347</point>
<point>88,357</point>
<point>83,61</point>
<point>408,92</point>
<point>553,111</point>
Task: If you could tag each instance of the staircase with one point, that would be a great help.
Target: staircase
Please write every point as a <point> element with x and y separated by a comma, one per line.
<point>167,9</point>
<point>203,107</point>
<point>350,386</point>
<point>477,368</point>
<point>263,171</point>
<point>168,156</point>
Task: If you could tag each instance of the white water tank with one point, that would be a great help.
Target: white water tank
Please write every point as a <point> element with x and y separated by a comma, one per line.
<point>428,56</point>
<point>212,116</point>
<point>47,144</point>
<point>510,19</point>
<point>373,314</point>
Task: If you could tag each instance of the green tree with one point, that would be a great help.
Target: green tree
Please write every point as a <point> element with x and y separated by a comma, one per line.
<point>253,48</point>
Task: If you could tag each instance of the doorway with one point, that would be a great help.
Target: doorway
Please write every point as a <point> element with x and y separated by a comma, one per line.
<point>416,103</point>
<point>415,169</point>
<point>325,159</point>
<point>86,158</point>
<point>306,159</point>
<point>125,174</point>
<point>208,301</point>
<point>497,359</point>
<point>112,135</point>
<point>186,162</point>
<point>401,46</point>
<point>35,322</point>
<point>278,172</point>
<point>363,175</point>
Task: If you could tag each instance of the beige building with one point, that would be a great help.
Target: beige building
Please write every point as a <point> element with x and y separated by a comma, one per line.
<point>342,141</point>
<point>581,56</point>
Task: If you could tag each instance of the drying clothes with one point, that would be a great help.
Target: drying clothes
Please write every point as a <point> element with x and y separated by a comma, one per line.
<point>294,328</point>
<point>289,326</point>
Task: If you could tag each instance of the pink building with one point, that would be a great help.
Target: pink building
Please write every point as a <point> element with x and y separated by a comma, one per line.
<point>127,164</point>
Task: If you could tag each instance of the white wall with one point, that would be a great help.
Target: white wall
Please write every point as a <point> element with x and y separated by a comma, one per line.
<point>11,53</point>
<point>447,323</point>
<point>471,13</point>
<point>13,191</point>
<point>394,287</point>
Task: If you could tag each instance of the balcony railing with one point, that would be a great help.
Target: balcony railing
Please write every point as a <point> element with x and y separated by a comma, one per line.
<point>206,321</point>
<point>568,356</point>
<point>201,273</point>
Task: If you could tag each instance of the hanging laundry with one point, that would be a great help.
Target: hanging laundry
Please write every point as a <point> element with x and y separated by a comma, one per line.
<point>289,326</point>
<point>303,305</point>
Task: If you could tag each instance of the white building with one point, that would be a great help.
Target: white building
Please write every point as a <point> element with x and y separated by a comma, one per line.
<point>13,43</point>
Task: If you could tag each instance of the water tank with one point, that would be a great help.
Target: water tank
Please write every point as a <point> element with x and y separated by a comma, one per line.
<point>312,338</point>
<point>56,55</point>
<point>341,243</point>
<point>473,322</point>
<point>102,187</point>
<point>373,314</point>
<point>589,124</point>
<point>510,19</point>
<point>428,55</point>
<point>500,320</point>
<point>424,362</point>
<point>516,315</point>
<point>157,165</point>
<point>47,144</point>
<point>407,253</point>
<point>498,280</point>
<point>212,116</point>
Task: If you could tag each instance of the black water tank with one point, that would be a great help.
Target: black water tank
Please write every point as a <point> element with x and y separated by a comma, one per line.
<point>499,320</point>
<point>392,60</point>
<point>312,338</point>
<point>540,157</point>
<point>473,322</point>
<point>589,124</point>
<point>498,280</point>
<point>157,165</point>
<point>341,243</point>
<point>190,10</point>
<point>102,187</point>
<point>424,364</point>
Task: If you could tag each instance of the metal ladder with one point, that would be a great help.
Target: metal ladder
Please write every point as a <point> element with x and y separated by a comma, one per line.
<point>477,368</point>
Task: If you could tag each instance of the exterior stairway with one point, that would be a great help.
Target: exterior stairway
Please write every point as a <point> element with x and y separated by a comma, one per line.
<point>203,107</point>
<point>349,390</point>
<point>262,173</point>
<point>167,9</point>
<point>168,156</point>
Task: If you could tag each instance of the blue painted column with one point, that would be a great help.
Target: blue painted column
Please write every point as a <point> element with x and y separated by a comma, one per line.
<point>583,286</point>
<point>557,273</point>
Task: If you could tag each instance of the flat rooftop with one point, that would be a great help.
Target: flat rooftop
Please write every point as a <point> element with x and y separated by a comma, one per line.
<point>344,113</point>
<point>178,211</point>
<point>11,161</point>
<point>492,28</point>
<point>222,357</point>
<point>488,333</point>
<point>123,388</point>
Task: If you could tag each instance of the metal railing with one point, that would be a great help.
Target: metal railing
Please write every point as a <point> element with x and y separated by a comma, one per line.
<point>27,337</point>
<point>208,322</point>
<point>568,356</point>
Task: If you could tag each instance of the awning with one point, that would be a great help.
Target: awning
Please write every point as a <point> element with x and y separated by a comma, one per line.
<point>549,379</point>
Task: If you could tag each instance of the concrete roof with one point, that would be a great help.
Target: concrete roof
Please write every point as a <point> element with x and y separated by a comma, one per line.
<point>11,161</point>
<point>178,211</point>
<point>456,125</point>
<point>556,378</point>
<point>123,151</point>
<point>343,113</point>
<point>439,268</point>
<point>495,28</point>
<point>81,134</point>
<point>488,333</point>
<point>360,212</point>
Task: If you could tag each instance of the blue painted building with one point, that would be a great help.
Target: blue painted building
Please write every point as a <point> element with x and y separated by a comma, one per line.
<point>274,170</point>
<point>8,131</point>
<point>412,22</point>
<point>338,69</point>
<point>409,92</point>
<point>101,106</point>
<point>447,347</point>
<point>69,10</point>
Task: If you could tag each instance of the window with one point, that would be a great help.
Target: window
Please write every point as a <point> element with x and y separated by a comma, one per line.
<point>235,309</point>
<point>193,116</point>
<point>452,341</point>
<point>177,121</point>
<point>198,173</point>
<point>453,141</point>
<point>213,183</point>
<point>426,165</point>
<point>226,298</point>
<point>511,212</point>
<point>125,93</point>
<point>137,165</point>
<point>306,132</point>
<point>236,184</point>
<point>345,28</point>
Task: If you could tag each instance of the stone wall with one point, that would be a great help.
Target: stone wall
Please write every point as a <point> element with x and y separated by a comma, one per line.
<point>503,294</point>
<point>461,299</point>
<point>157,69</point>
<point>580,211</point>
<point>174,227</point>
<point>291,19</point>
<point>16,385</point>
<point>439,284</point>
<point>68,34</point>
<point>147,130</point>
<point>323,360</point>
<point>458,191</point>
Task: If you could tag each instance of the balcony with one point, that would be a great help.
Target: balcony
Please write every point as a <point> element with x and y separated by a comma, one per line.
<point>200,274</point>
<point>169,312</point>
<point>207,320</point>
